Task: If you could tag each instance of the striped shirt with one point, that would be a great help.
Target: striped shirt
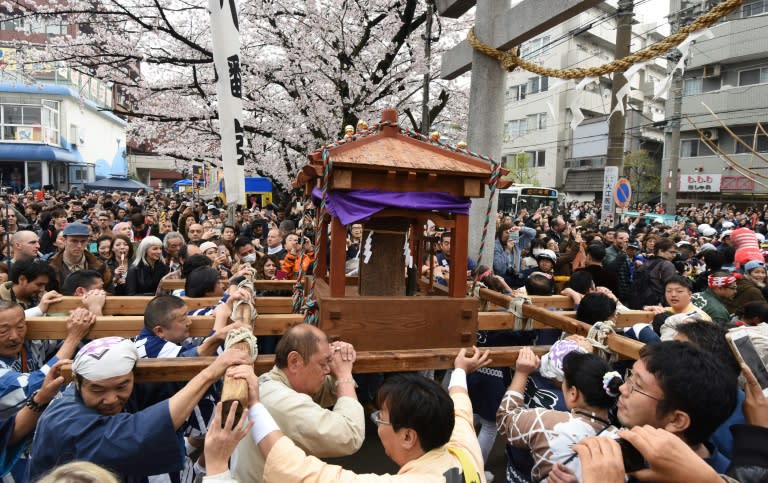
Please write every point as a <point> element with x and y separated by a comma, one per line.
<point>16,386</point>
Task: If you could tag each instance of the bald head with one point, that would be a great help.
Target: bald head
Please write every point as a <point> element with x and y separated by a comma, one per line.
<point>305,339</point>
<point>25,245</point>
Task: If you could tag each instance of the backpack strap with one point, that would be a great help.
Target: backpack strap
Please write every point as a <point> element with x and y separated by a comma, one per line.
<point>468,468</point>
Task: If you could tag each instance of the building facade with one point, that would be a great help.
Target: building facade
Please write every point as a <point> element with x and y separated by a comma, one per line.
<point>729,74</point>
<point>538,113</point>
<point>57,129</point>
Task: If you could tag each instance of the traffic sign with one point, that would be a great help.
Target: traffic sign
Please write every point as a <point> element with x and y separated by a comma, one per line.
<point>622,193</point>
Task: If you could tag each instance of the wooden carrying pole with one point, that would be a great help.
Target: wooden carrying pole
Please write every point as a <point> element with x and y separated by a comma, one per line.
<point>617,343</point>
<point>180,369</point>
<point>237,389</point>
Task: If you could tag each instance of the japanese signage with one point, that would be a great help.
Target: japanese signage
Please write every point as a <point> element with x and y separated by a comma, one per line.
<point>610,177</point>
<point>700,182</point>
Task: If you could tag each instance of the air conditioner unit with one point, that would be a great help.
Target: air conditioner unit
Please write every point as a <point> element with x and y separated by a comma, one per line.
<point>74,135</point>
<point>712,70</point>
<point>710,134</point>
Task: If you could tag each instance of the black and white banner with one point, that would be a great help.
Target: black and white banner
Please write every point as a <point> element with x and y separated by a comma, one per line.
<point>226,55</point>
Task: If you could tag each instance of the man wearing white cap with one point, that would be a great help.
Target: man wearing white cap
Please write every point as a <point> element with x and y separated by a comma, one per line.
<point>98,418</point>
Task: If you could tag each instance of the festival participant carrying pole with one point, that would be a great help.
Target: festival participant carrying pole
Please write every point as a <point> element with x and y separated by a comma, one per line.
<point>244,340</point>
<point>225,37</point>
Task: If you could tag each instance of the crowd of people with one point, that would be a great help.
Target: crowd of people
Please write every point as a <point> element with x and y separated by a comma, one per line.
<point>566,415</point>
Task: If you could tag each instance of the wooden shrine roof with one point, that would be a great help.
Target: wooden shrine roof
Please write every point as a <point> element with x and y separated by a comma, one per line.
<point>389,148</point>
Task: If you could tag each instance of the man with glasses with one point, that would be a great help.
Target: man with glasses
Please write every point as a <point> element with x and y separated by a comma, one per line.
<point>310,374</point>
<point>682,389</point>
<point>75,257</point>
<point>426,430</point>
<point>721,287</point>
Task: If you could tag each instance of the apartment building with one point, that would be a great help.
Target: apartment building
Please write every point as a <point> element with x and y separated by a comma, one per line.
<point>728,74</point>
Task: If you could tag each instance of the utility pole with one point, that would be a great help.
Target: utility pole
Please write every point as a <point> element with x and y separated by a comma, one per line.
<point>672,135</point>
<point>615,155</point>
<point>426,122</point>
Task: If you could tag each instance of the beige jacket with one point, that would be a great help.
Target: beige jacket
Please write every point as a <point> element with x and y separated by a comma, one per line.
<point>318,431</point>
<point>287,462</point>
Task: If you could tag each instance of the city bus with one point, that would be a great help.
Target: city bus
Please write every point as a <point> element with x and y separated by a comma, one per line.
<point>529,197</point>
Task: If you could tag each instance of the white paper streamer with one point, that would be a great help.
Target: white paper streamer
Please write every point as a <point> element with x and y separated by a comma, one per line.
<point>407,252</point>
<point>367,252</point>
<point>575,108</point>
<point>556,86</point>
<point>662,90</point>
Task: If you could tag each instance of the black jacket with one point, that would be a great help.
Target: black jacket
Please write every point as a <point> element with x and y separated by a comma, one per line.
<point>143,279</point>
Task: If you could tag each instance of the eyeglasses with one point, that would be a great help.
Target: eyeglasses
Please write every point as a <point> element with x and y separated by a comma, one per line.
<point>632,388</point>
<point>376,418</point>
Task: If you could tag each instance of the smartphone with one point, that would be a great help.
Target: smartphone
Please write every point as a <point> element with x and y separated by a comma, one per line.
<point>93,247</point>
<point>745,352</point>
<point>633,460</point>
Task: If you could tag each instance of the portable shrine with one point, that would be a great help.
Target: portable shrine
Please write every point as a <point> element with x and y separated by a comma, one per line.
<point>393,181</point>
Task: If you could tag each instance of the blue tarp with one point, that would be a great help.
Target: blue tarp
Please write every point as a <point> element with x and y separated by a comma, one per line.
<point>117,184</point>
<point>258,185</point>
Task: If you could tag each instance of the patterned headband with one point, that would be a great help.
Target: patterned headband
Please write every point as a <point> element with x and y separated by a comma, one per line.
<point>716,282</point>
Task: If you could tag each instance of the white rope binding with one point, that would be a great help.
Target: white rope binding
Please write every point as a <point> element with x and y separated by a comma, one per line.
<point>516,307</point>
<point>597,336</point>
<point>241,334</point>
<point>248,285</point>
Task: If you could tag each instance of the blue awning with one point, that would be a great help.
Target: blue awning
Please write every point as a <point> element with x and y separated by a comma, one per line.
<point>35,152</point>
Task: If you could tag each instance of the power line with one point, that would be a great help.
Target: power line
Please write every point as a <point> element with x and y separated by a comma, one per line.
<point>589,139</point>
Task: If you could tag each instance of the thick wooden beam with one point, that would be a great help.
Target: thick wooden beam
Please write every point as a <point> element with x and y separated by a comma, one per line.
<point>522,22</point>
<point>502,320</point>
<point>123,305</point>
<point>619,344</point>
<point>55,328</point>
<point>457,284</point>
<point>258,284</point>
<point>185,368</point>
<point>336,281</point>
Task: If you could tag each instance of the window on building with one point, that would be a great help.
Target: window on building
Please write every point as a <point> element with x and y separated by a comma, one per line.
<point>692,87</point>
<point>536,159</point>
<point>12,25</point>
<point>534,48</point>
<point>537,121</point>
<point>30,123</point>
<point>749,140</point>
<point>537,84</point>
<point>752,9</point>
<point>517,127</point>
<point>691,148</point>
<point>517,92</point>
<point>753,76</point>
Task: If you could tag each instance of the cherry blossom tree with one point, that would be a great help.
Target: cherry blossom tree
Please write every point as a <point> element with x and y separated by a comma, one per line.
<point>308,69</point>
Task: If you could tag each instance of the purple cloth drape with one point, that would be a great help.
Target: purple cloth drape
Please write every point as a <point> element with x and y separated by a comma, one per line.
<point>356,205</point>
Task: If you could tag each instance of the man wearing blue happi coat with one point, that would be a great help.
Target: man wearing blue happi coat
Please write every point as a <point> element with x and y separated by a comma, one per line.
<point>99,418</point>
